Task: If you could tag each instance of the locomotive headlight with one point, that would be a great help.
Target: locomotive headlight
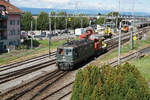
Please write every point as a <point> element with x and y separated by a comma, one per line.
<point>64,57</point>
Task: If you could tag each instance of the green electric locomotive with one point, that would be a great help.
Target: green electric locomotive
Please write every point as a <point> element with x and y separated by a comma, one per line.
<point>74,52</point>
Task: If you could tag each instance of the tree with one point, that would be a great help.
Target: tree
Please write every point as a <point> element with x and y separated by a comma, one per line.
<point>76,22</point>
<point>53,20</point>
<point>123,82</point>
<point>26,19</point>
<point>85,21</point>
<point>27,43</point>
<point>43,21</point>
<point>100,21</point>
<point>78,86</point>
<point>99,14</point>
<point>113,13</point>
<point>34,24</point>
<point>61,21</point>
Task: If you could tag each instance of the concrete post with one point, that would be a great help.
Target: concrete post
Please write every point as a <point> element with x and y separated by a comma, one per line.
<point>119,44</point>
<point>50,31</point>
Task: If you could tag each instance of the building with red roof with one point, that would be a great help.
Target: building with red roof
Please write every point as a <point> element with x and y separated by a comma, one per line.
<point>10,18</point>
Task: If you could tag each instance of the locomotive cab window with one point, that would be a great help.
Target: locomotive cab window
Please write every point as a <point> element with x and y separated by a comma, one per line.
<point>68,52</point>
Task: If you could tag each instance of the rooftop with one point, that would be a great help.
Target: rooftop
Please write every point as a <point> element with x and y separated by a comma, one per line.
<point>10,8</point>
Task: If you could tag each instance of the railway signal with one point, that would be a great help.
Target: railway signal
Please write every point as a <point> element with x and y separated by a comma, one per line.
<point>69,19</point>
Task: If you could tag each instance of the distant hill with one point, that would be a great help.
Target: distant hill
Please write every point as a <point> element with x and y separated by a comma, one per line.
<point>36,11</point>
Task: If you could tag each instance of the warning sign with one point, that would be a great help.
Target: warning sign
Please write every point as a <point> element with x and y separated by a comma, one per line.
<point>69,19</point>
<point>134,38</point>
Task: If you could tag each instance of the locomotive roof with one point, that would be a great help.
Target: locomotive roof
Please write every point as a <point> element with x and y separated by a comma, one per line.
<point>96,36</point>
<point>76,43</point>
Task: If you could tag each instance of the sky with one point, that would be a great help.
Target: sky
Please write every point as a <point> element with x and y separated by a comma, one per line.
<point>125,5</point>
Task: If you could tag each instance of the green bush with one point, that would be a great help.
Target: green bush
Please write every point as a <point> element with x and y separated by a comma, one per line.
<point>27,43</point>
<point>110,83</point>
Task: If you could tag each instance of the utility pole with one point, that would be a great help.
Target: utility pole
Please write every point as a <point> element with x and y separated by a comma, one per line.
<point>131,37</point>
<point>76,4</point>
<point>118,15</point>
<point>66,23</point>
<point>36,24</point>
<point>50,31</point>
<point>119,45</point>
<point>90,22</point>
<point>81,22</point>
<point>112,18</point>
<point>31,36</point>
<point>55,24</point>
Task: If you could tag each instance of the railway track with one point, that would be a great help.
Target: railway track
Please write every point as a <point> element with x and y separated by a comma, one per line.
<point>113,63</point>
<point>37,87</point>
<point>48,81</point>
<point>128,57</point>
<point>7,75</point>
<point>12,65</point>
<point>48,85</point>
<point>34,81</point>
<point>60,91</point>
<point>15,74</point>
<point>16,64</point>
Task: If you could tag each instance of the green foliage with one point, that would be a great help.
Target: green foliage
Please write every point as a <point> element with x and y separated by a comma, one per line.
<point>85,22</point>
<point>53,20</point>
<point>145,69</point>
<point>74,23</point>
<point>26,21</point>
<point>110,83</point>
<point>43,21</point>
<point>77,21</point>
<point>117,19</point>
<point>18,47</point>
<point>27,43</point>
<point>61,21</point>
<point>100,21</point>
<point>54,44</point>
<point>34,24</point>
<point>113,14</point>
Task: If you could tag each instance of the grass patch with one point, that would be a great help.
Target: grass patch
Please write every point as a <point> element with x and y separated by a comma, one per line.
<point>143,66</point>
<point>126,48</point>
<point>54,45</point>
<point>28,53</point>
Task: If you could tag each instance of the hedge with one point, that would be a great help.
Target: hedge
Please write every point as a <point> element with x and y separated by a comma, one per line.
<point>123,82</point>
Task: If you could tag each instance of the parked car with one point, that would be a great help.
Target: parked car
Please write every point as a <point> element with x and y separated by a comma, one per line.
<point>43,34</point>
<point>37,36</point>
<point>65,31</point>
<point>32,33</point>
